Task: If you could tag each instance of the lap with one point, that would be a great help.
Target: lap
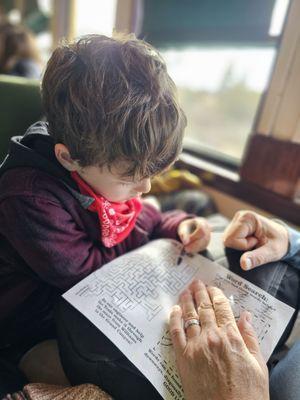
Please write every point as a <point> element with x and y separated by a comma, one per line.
<point>89,356</point>
<point>284,379</point>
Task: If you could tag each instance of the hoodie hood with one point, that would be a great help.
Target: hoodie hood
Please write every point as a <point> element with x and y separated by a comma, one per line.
<point>36,150</point>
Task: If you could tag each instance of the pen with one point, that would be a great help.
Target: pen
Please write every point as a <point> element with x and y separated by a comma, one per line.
<point>179,259</point>
<point>215,227</point>
<point>191,229</point>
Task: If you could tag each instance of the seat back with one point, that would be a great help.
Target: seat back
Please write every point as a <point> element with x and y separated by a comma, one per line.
<point>20,106</point>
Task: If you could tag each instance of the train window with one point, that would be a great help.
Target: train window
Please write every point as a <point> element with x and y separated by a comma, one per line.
<point>220,89</point>
<point>97,17</point>
<point>221,62</point>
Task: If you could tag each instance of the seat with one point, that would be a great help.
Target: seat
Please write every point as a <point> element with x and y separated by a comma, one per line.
<point>20,106</point>
<point>42,364</point>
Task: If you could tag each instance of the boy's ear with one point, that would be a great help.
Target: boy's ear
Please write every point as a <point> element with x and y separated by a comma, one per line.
<point>63,156</point>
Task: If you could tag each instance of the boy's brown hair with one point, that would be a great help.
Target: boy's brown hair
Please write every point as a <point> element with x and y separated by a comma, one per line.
<point>111,99</point>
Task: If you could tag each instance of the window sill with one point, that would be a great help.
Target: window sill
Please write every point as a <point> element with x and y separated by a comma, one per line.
<point>229,182</point>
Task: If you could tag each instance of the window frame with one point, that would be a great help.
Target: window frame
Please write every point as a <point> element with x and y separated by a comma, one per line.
<point>226,175</point>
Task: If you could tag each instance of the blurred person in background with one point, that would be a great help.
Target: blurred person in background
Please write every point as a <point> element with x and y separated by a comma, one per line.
<point>18,52</point>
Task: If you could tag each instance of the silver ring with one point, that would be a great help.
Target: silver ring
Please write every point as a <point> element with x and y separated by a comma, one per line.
<point>190,322</point>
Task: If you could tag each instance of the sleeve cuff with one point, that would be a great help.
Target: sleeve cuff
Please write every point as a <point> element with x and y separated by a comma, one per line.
<point>294,244</point>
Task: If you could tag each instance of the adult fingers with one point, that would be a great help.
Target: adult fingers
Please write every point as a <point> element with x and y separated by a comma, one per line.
<point>249,336</point>
<point>244,232</point>
<point>204,305</point>
<point>189,314</point>
<point>257,257</point>
<point>222,309</point>
<point>237,237</point>
<point>176,329</point>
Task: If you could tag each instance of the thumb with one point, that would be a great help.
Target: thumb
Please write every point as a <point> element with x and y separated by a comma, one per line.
<point>248,334</point>
<point>256,257</point>
<point>184,233</point>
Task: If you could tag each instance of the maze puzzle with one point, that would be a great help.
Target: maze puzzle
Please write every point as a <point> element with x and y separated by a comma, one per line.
<point>140,279</point>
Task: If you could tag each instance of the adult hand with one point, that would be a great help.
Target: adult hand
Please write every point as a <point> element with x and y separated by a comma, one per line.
<point>194,234</point>
<point>217,360</point>
<point>249,230</point>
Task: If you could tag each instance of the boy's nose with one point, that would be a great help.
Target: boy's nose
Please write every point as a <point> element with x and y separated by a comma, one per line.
<point>144,186</point>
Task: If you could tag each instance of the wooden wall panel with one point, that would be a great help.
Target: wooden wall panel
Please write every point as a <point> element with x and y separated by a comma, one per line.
<point>272,164</point>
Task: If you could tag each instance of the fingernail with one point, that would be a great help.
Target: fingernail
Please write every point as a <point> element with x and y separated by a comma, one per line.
<point>248,320</point>
<point>247,264</point>
<point>249,317</point>
<point>176,308</point>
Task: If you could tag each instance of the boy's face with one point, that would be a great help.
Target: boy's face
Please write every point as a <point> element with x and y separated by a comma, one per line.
<point>106,182</point>
<point>111,185</point>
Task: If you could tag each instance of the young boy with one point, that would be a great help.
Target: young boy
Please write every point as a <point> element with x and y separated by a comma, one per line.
<point>70,187</point>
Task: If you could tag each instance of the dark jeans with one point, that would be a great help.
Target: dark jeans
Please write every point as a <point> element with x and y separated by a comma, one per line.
<point>88,356</point>
<point>284,380</point>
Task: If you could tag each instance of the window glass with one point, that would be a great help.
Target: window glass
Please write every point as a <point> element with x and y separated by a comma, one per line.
<point>95,16</point>
<point>219,90</point>
<point>220,87</point>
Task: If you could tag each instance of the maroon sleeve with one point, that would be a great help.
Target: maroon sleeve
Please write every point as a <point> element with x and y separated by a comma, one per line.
<point>45,235</point>
<point>58,250</point>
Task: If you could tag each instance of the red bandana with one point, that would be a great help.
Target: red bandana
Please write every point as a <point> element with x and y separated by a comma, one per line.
<point>116,219</point>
